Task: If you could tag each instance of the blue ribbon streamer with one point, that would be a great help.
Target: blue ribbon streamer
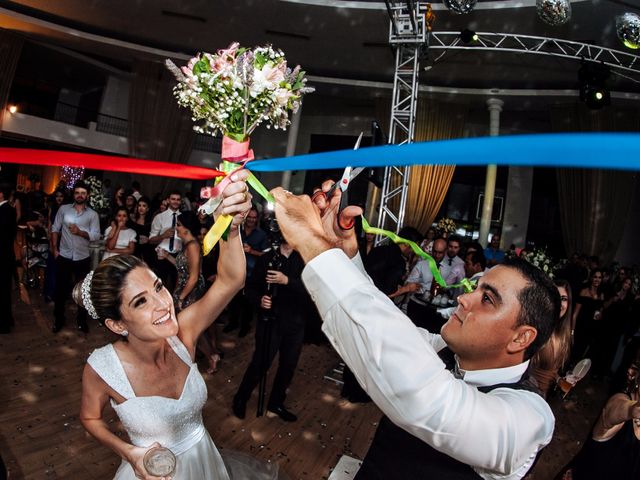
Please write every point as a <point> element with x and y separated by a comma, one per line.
<point>619,151</point>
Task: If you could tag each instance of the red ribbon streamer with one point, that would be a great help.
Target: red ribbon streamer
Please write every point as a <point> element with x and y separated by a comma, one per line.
<point>56,158</point>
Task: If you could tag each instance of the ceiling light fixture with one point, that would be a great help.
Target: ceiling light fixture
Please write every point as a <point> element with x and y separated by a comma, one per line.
<point>468,36</point>
<point>593,85</point>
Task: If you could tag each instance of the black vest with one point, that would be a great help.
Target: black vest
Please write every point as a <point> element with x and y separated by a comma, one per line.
<point>396,454</point>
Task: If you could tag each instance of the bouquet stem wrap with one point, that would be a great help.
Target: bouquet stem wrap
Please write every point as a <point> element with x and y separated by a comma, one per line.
<point>465,283</point>
<point>235,156</point>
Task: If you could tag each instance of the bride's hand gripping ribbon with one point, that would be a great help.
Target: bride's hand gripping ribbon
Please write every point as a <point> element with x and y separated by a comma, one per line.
<point>235,155</point>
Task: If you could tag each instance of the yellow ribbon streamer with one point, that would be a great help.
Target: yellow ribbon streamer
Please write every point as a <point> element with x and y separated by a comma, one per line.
<point>222,223</point>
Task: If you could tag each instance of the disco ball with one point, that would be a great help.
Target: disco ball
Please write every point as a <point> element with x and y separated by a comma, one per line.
<point>628,30</point>
<point>554,12</point>
<point>460,6</point>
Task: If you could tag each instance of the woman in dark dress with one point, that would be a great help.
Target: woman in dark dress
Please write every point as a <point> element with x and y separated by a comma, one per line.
<point>142,225</point>
<point>587,314</point>
<point>613,449</point>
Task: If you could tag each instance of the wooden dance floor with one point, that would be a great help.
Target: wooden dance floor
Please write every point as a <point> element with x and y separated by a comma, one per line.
<point>41,436</point>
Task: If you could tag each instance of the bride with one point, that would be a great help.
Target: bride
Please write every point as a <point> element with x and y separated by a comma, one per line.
<point>150,377</point>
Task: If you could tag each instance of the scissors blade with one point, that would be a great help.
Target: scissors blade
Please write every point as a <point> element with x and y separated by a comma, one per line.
<point>357,145</point>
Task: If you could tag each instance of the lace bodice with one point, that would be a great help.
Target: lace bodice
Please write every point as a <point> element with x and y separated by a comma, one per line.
<point>175,424</point>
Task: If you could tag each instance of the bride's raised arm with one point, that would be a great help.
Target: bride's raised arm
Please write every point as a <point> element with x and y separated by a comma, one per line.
<point>230,279</point>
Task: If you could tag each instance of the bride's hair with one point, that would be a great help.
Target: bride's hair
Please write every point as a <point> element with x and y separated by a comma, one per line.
<point>104,292</point>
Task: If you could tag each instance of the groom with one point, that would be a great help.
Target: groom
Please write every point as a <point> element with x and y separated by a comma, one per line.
<point>484,420</point>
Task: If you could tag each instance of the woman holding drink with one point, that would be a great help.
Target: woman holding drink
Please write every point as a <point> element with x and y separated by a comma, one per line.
<point>150,378</point>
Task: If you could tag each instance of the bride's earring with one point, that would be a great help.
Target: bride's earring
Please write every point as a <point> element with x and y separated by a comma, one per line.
<point>125,333</point>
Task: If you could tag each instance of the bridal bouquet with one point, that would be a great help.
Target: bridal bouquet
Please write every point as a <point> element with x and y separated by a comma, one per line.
<point>232,92</point>
<point>236,89</point>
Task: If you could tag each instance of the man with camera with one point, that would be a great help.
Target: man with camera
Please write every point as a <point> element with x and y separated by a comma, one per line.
<point>276,287</point>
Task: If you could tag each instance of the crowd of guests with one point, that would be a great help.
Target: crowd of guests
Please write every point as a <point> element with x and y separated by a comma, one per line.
<point>599,315</point>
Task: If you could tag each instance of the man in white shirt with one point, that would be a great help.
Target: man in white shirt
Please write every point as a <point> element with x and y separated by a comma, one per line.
<point>75,226</point>
<point>163,233</point>
<point>482,423</point>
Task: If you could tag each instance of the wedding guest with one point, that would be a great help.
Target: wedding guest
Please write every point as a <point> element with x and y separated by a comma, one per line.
<point>255,243</point>
<point>163,234</point>
<point>609,332</point>
<point>130,203</point>
<point>474,265</point>
<point>119,238</point>
<point>75,226</point>
<point>367,244</point>
<point>150,379</point>
<point>8,227</point>
<point>551,358</point>
<point>190,284</point>
<point>490,422</point>
<point>420,282</point>
<point>588,311</point>
<point>492,253</point>
<point>119,198</point>
<point>613,448</point>
<point>386,264</point>
<point>429,237</point>
<point>142,225</point>
<point>107,191</point>
<point>453,266</point>
<point>135,190</point>
<point>56,201</point>
<point>276,288</point>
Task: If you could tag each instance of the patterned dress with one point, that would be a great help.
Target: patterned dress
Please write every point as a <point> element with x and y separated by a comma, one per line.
<point>182,265</point>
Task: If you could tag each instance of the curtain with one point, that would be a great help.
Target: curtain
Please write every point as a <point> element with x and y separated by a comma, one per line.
<point>594,204</point>
<point>158,128</point>
<point>428,184</point>
<point>10,49</point>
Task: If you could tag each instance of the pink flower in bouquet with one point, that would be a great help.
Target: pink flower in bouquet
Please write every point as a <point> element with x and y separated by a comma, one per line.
<point>188,71</point>
<point>225,58</point>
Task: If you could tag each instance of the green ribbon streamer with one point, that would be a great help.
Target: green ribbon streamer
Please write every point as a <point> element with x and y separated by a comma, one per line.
<point>464,283</point>
<point>228,167</point>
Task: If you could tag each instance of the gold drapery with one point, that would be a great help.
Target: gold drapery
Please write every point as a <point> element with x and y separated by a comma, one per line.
<point>10,50</point>
<point>428,184</point>
<point>594,203</point>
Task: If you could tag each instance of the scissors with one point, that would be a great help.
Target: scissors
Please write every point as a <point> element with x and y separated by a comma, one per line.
<point>343,184</point>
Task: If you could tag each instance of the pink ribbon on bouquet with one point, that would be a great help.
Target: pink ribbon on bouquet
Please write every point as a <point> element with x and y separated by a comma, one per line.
<point>234,152</point>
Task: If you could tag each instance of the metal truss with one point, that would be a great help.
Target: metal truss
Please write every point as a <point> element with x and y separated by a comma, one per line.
<point>408,34</point>
<point>556,47</point>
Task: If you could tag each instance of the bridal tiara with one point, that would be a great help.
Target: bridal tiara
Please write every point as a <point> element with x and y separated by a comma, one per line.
<point>86,296</point>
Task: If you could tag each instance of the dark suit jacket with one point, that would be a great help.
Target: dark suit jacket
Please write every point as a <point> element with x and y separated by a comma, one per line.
<point>7,233</point>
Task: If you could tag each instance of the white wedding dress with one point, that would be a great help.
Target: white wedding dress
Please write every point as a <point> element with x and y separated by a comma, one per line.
<point>175,424</point>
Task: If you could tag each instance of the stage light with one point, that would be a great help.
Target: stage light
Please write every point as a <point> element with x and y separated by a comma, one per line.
<point>468,36</point>
<point>593,85</point>
<point>13,109</point>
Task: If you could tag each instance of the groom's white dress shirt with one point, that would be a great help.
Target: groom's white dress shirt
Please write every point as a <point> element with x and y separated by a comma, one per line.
<point>497,433</point>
